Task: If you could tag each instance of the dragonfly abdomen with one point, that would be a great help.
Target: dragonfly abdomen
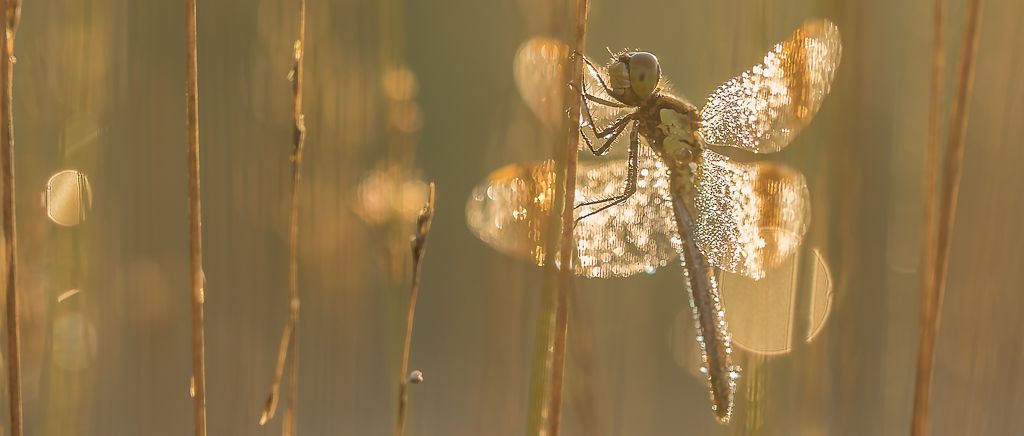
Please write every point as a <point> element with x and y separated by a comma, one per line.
<point>709,316</point>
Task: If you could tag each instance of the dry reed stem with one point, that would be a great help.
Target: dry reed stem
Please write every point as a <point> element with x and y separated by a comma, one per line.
<point>289,345</point>
<point>935,262</point>
<point>929,232</point>
<point>195,218</point>
<point>12,9</point>
<point>567,243</point>
<point>419,248</point>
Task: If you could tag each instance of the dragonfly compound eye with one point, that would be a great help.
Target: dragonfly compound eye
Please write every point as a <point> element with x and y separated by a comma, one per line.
<point>644,73</point>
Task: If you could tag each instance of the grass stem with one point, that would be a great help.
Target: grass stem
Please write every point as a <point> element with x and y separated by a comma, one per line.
<point>567,242</point>
<point>938,237</point>
<point>12,14</point>
<point>195,219</point>
<point>930,230</point>
<point>419,248</point>
<point>289,345</point>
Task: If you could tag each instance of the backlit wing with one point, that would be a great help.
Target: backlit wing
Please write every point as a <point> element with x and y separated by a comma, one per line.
<point>762,109</point>
<point>539,72</point>
<point>635,236</point>
<point>509,211</point>
<point>750,216</point>
<point>538,69</point>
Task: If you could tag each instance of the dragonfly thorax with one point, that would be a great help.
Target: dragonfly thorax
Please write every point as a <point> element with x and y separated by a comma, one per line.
<point>679,141</point>
<point>670,124</point>
<point>634,77</point>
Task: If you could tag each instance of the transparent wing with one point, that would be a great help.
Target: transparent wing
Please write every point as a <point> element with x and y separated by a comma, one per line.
<point>635,236</point>
<point>762,109</point>
<point>538,69</point>
<point>509,212</point>
<point>750,216</point>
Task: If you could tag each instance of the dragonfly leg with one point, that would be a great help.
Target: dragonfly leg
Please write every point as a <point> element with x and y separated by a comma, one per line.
<point>586,95</point>
<point>632,172</point>
<point>588,98</point>
<point>585,106</point>
<point>595,70</point>
<point>602,101</point>
<point>608,134</point>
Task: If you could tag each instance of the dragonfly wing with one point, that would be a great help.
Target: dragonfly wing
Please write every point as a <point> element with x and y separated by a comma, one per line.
<point>762,109</point>
<point>539,72</point>
<point>510,210</point>
<point>538,69</point>
<point>635,236</point>
<point>750,216</point>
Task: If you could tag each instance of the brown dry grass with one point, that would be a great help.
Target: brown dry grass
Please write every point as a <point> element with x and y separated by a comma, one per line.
<point>12,14</point>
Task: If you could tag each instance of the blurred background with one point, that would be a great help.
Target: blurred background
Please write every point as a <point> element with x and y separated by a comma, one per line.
<point>402,92</point>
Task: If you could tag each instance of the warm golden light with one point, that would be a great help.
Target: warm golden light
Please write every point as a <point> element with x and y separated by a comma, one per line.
<point>400,84</point>
<point>763,108</point>
<point>74,341</point>
<point>509,210</point>
<point>538,69</point>
<point>751,216</point>
<point>767,316</point>
<point>68,198</point>
<point>386,195</point>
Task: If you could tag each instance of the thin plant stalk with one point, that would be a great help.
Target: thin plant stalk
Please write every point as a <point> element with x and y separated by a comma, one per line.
<point>936,257</point>
<point>195,218</point>
<point>548,366</point>
<point>12,13</point>
<point>270,408</point>
<point>567,243</point>
<point>419,249</point>
<point>930,229</point>
<point>291,421</point>
<point>289,345</point>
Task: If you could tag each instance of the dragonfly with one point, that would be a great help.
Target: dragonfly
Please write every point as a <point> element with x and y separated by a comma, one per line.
<point>673,194</point>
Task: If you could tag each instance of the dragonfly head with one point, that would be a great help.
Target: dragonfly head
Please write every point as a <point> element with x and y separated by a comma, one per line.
<point>634,76</point>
